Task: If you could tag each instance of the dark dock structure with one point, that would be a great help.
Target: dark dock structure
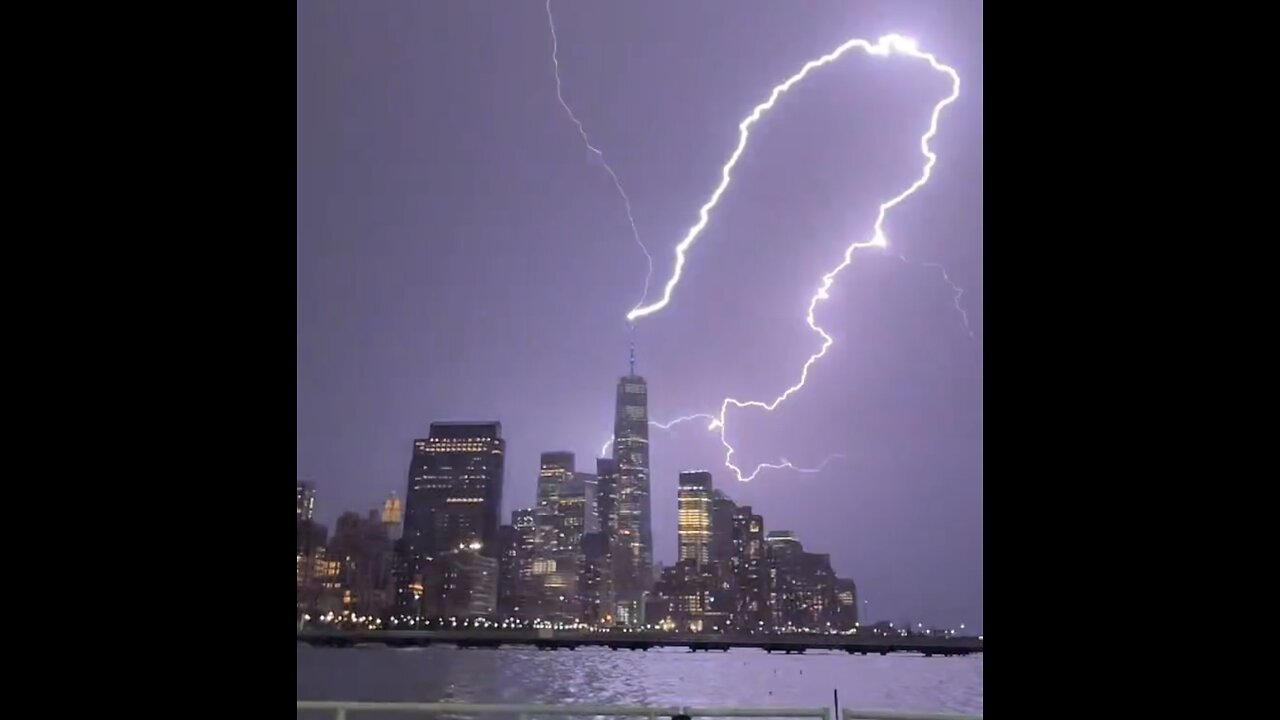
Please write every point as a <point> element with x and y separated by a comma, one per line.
<point>572,640</point>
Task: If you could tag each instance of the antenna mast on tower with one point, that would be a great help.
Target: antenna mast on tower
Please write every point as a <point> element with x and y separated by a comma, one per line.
<point>633,350</point>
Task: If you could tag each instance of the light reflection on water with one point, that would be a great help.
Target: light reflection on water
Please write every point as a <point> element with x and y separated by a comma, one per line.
<point>669,676</point>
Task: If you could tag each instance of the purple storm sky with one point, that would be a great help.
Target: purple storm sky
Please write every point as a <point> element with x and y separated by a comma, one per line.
<point>461,256</point>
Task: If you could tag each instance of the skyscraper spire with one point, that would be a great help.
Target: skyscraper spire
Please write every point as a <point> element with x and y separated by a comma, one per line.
<point>633,551</point>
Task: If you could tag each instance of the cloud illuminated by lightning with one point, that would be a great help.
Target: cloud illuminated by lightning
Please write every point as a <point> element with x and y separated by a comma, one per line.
<point>889,44</point>
<point>626,201</point>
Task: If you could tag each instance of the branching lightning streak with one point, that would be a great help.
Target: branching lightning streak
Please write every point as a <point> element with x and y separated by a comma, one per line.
<point>956,292</point>
<point>626,201</point>
<point>604,449</point>
<point>884,46</point>
<point>784,465</point>
<point>683,418</point>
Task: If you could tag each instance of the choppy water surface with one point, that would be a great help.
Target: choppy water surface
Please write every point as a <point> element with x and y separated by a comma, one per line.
<point>658,677</point>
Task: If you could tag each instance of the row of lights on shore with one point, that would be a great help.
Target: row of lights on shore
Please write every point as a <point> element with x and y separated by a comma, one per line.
<point>374,623</point>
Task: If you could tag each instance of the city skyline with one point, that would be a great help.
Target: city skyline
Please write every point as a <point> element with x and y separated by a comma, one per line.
<point>473,264</point>
<point>566,559</point>
<point>575,553</point>
<point>557,470</point>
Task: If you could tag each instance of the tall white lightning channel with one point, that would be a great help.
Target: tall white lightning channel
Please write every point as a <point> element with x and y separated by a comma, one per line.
<point>626,201</point>
<point>884,46</point>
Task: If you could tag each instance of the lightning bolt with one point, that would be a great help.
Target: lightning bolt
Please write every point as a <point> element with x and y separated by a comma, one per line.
<point>786,465</point>
<point>956,292</point>
<point>604,449</point>
<point>626,201</point>
<point>883,47</point>
<point>685,418</point>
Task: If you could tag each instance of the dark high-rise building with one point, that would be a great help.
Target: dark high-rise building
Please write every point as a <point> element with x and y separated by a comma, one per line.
<point>589,486</point>
<point>554,472</point>
<point>683,592</point>
<point>559,544</point>
<point>455,489</point>
<point>634,551</point>
<point>607,517</point>
<point>452,507</point>
<point>750,571</point>
<point>722,511</point>
<point>694,519</point>
<point>306,501</point>
<point>817,590</point>
<point>723,600</point>
<point>577,510</point>
<point>362,551</point>
<point>461,584</point>
<point>607,498</point>
<point>846,604</point>
<point>312,538</point>
<point>594,584</point>
<point>786,571</point>
<point>578,518</point>
<point>311,545</point>
<point>803,587</point>
<point>508,571</point>
<point>524,524</point>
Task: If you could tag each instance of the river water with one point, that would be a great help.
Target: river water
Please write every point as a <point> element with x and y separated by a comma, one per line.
<point>658,677</point>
